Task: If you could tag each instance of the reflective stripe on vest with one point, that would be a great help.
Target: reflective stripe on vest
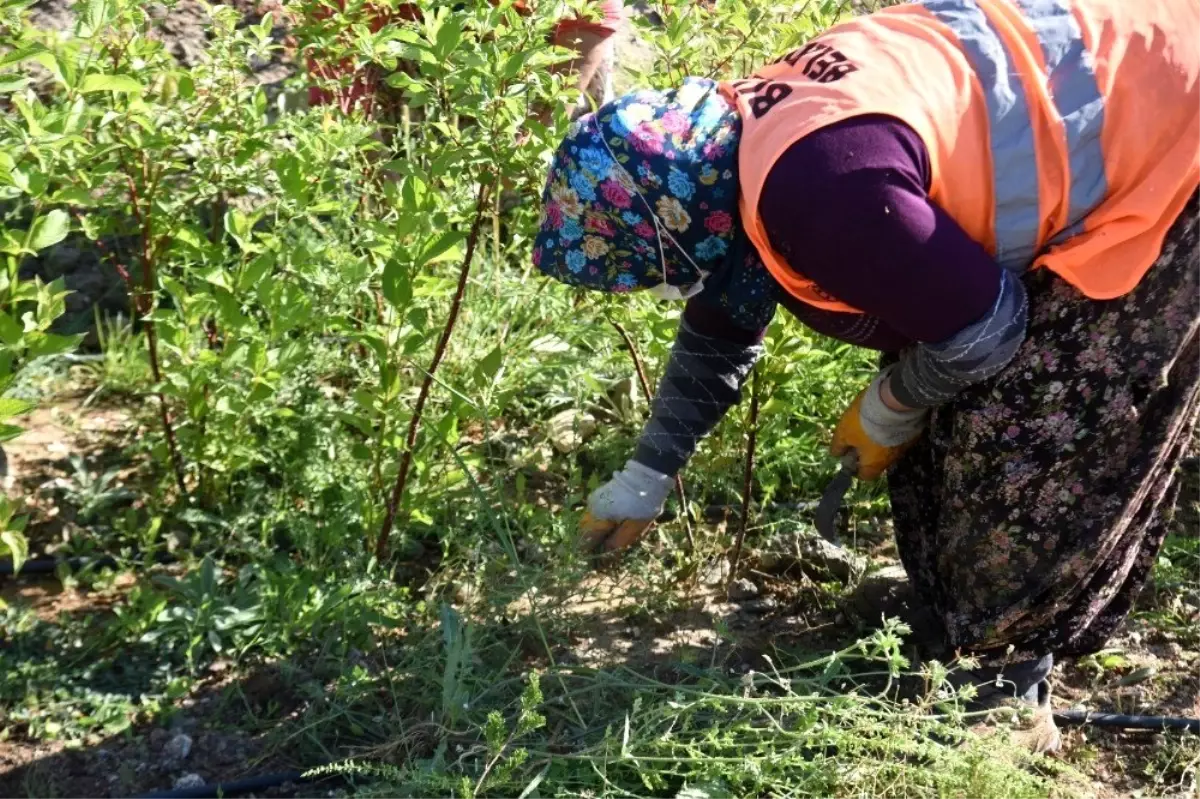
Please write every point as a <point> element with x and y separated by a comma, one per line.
<point>1076,96</point>
<point>1078,101</point>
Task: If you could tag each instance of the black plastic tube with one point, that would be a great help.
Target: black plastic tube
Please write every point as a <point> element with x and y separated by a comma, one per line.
<point>1075,717</point>
<point>235,788</point>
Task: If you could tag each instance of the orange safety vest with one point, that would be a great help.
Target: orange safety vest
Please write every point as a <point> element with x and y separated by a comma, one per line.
<point>1061,133</point>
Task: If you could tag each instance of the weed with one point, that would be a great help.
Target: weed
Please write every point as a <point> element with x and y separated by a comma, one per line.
<point>121,370</point>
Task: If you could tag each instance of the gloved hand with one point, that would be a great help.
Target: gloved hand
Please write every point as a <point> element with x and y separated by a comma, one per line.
<point>879,434</point>
<point>623,508</point>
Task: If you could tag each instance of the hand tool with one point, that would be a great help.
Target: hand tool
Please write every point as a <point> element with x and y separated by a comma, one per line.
<point>835,493</point>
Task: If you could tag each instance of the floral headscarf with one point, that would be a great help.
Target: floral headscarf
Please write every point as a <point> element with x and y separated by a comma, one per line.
<point>664,212</point>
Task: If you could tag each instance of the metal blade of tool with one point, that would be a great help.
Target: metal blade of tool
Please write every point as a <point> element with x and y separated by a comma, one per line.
<point>831,500</point>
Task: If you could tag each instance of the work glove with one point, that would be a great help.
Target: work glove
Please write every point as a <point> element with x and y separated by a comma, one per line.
<point>878,434</point>
<point>623,508</point>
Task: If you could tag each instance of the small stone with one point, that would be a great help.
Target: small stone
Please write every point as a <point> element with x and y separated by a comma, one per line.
<point>178,748</point>
<point>464,593</point>
<point>797,545</point>
<point>715,572</point>
<point>742,590</point>
<point>775,562</point>
<point>761,606</point>
<point>177,540</point>
<point>568,429</point>
<point>624,396</point>
<point>188,781</point>
<point>188,52</point>
<point>818,555</point>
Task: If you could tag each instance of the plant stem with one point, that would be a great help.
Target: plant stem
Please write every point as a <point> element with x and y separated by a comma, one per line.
<point>641,373</point>
<point>747,478</point>
<point>145,306</point>
<point>414,424</point>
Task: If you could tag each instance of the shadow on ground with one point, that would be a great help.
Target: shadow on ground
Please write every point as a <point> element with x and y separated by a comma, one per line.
<point>239,721</point>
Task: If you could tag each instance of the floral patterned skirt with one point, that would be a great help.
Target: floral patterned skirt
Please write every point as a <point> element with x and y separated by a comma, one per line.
<point>1031,512</point>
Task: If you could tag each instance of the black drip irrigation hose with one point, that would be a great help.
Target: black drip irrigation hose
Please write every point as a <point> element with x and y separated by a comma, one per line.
<point>1077,717</point>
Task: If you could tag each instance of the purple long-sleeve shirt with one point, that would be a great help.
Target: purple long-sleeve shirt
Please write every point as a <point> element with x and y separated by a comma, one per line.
<point>848,207</point>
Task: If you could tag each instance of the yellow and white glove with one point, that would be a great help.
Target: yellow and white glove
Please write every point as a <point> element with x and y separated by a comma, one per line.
<point>622,509</point>
<point>879,434</point>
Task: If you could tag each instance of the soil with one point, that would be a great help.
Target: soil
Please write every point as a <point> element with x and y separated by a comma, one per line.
<point>153,757</point>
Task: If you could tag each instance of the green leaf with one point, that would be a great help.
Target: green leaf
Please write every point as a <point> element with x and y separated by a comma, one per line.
<point>190,237</point>
<point>260,390</point>
<point>10,85</point>
<point>413,343</point>
<point>291,178</point>
<point>91,227</point>
<point>53,344</point>
<point>215,276</point>
<point>98,13</point>
<point>490,364</point>
<point>50,62</point>
<point>35,183</point>
<point>231,309</point>
<point>214,641</point>
<point>73,195</point>
<point>448,36</point>
<point>110,83</point>
<point>397,287</point>
<point>10,431</point>
<point>187,87</point>
<point>357,422</point>
<point>513,64</point>
<point>17,546</point>
<point>49,230</point>
<point>255,271</point>
<point>440,249</point>
<point>413,192</point>
<point>17,56</point>
<point>31,114</point>
<point>239,226</point>
<point>11,406</point>
<point>11,330</point>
